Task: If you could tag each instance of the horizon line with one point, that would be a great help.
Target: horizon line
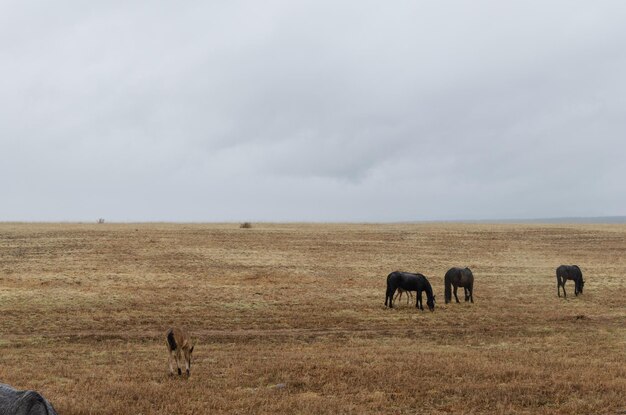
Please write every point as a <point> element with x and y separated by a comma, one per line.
<point>613,219</point>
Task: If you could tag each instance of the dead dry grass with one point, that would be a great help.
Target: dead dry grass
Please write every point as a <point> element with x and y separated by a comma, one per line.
<point>84,309</point>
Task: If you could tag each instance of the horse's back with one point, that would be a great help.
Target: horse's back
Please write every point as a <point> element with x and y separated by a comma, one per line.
<point>396,279</point>
<point>455,272</point>
<point>459,275</point>
<point>451,273</point>
<point>570,272</point>
<point>411,282</point>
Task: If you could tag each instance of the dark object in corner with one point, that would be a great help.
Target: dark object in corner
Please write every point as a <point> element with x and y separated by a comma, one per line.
<point>26,402</point>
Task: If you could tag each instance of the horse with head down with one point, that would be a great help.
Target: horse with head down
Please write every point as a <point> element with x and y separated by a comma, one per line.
<point>179,342</point>
<point>569,272</point>
<point>459,277</point>
<point>410,282</point>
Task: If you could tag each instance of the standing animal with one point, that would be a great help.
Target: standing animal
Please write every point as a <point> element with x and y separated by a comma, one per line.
<point>178,341</point>
<point>569,272</point>
<point>410,282</point>
<point>23,402</point>
<point>399,295</point>
<point>459,277</point>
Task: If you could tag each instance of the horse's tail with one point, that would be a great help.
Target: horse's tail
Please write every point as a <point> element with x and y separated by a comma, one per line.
<point>561,274</point>
<point>391,288</point>
<point>171,341</point>
<point>448,287</point>
<point>387,291</point>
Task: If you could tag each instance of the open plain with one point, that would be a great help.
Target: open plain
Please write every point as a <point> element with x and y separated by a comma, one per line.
<point>290,318</point>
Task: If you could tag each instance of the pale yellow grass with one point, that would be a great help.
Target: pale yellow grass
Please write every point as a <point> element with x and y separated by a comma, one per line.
<point>290,318</point>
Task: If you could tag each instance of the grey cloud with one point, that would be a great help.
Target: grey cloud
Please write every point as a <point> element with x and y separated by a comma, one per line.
<point>311,110</point>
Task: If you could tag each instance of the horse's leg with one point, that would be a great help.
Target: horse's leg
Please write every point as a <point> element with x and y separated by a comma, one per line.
<point>558,286</point>
<point>466,294</point>
<point>180,372</point>
<point>408,297</point>
<point>471,293</point>
<point>576,290</point>
<point>390,292</point>
<point>398,295</point>
<point>169,360</point>
<point>563,286</point>
<point>455,296</point>
<point>420,299</point>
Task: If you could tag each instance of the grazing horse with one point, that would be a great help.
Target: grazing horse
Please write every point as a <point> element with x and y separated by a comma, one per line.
<point>569,272</point>
<point>459,277</point>
<point>410,282</point>
<point>17,402</point>
<point>178,340</point>
<point>399,295</point>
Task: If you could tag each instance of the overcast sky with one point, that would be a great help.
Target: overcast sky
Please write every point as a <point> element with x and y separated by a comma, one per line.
<point>311,110</point>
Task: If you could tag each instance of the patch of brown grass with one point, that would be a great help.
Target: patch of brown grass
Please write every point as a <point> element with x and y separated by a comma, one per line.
<point>290,318</point>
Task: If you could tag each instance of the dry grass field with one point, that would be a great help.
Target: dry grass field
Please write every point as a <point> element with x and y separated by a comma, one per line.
<point>290,318</point>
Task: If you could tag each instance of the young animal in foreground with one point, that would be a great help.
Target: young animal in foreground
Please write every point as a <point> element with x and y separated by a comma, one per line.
<point>179,341</point>
<point>17,402</point>
<point>410,282</point>
<point>399,295</point>
<point>459,277</point>
<point>569,272</point>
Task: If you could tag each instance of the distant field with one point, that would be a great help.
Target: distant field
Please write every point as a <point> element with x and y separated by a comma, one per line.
<point>84,310</point>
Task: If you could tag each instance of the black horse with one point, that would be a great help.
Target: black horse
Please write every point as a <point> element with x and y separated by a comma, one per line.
<point>410,282</point>
<point>569,272</point>
<point>459,277</point>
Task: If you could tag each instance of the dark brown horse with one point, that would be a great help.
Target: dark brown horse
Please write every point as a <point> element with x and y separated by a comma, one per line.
<point>179,342</point>
<point>459,277</point>
<point>569,272</point>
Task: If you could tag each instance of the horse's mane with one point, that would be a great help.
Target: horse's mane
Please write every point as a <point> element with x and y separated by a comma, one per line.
<point>429,288</point>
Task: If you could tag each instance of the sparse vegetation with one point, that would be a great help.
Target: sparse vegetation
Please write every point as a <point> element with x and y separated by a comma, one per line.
<point>290,319</point>
<point>246,225</point>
